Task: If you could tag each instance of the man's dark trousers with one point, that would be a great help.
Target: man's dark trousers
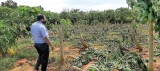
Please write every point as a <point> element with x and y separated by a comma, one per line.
<point>43,51</point>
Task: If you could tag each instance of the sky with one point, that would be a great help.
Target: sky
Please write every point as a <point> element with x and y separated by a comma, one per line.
<point>85,5</point>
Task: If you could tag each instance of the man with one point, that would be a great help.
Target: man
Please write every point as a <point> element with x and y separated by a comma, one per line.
<point>41,42</point>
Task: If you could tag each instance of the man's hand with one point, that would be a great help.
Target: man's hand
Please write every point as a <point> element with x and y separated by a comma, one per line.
<point>52,47</point>
<point>48,42</point>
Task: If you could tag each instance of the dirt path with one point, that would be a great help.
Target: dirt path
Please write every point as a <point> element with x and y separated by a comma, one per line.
<point>22,65</point>
<point>69,52</point>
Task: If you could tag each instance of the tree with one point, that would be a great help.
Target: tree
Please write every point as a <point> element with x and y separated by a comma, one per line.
<point>65,24</point>
<point>53,18</point>
<point>121,14</point>
<point>74,17</point>
<point>65,15</point>
<point>4,12</point>
<point>110,16</point>
<point>10,4</point>
<point>148,12</point>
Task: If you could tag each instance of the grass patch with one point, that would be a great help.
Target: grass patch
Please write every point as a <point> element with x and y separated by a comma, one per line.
<point>24,49</point>
<point>26,53</point>
<point>24,42</point>
<point>7,63</point>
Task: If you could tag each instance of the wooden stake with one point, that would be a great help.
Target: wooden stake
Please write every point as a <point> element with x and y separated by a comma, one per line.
<point>150,28</point>
<point>61,46</point>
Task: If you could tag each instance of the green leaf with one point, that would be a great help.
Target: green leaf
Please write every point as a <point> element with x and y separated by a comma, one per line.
<point>1,23</point>
<point>156,28</point>
<point>139,1</point>
<point>131,3</point>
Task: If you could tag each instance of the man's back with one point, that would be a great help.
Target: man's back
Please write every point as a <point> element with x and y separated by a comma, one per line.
<point>38,31</point>
<point>41,42</point>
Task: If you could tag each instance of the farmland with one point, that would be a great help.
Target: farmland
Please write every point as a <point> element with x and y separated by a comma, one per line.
<point>109,40</point>
<point>104,49</point>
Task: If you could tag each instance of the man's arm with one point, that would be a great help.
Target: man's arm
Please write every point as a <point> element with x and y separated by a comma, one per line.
<point>48,41</point>
<point>44,34</point>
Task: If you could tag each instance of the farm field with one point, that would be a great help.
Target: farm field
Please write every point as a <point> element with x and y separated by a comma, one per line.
<point>103,51</point>
<point>121,39</point>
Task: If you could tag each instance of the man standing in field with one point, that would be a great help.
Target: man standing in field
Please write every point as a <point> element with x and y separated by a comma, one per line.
<point>41,42</point>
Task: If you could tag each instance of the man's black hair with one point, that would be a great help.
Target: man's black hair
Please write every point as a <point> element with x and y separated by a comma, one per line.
<point>39,17</point>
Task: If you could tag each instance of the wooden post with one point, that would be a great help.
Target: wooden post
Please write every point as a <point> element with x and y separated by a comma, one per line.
<point>61,46</point>
<point>150,28</point>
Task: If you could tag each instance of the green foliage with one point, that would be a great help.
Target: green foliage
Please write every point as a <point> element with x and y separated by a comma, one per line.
<point>148,11</point>
<point>52,18</point>
<point>65,23</point>
<point>7,36</point>
<point>121,14</point>
<point>82,22</point>
<point>134,24</point>
<point>143,19</point>
<point>93,68</point>
<point>26,53</point>
<point>4,12</point>
<point>7,63</point>
<point>112,16</point>
<point>13,23</point>
<point>65,15</point>
<point>127,69</point>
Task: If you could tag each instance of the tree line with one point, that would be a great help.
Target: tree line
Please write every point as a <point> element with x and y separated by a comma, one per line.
<point>76,16</point>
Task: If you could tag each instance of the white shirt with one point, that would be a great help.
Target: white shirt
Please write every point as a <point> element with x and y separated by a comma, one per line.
<point>38,31</point>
